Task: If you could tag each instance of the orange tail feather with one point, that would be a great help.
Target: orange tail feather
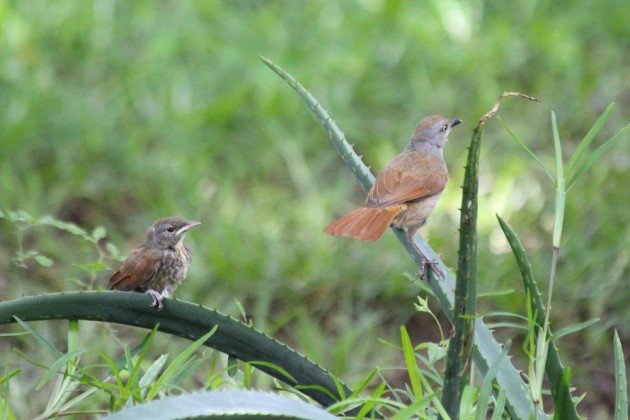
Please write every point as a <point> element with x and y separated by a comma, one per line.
<point>365,223</point>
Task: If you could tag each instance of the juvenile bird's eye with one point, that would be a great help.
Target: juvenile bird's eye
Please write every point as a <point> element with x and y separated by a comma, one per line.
<point>170,229</point>
<point>445,128</point>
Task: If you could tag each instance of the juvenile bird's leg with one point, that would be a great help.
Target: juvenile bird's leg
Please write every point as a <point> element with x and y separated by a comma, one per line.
<point>157,298</point>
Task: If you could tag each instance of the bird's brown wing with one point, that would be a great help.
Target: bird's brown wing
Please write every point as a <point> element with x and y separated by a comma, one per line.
<point>410,176</point>
<point>138,270</point>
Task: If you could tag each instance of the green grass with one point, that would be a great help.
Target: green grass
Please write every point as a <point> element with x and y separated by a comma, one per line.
<point>116,114</point>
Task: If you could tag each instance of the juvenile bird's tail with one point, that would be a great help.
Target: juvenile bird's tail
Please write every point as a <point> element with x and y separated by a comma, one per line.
<point>365,223</point>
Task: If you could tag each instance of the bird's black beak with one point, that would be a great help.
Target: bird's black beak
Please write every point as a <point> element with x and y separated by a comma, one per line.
<point>455,122</point>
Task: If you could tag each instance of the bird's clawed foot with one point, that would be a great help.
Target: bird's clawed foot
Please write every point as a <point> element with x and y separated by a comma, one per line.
<point>157,298</point>
<point>423,272</point>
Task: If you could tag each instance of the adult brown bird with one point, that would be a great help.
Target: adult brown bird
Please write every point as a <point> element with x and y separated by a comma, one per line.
<point>405,193</point>
<point>160,264</point>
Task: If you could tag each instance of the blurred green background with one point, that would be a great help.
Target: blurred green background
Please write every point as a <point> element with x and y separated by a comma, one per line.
<point>118,113</point>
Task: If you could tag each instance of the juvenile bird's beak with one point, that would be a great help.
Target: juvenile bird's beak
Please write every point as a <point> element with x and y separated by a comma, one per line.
<point>189,226</point>
<point>455,122</point>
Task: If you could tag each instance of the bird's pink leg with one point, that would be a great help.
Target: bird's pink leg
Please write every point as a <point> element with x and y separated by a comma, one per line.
<point>157,298</point>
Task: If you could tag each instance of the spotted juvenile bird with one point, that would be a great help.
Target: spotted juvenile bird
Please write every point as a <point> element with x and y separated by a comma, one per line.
<point>405,193</point>
<point>160,264</point>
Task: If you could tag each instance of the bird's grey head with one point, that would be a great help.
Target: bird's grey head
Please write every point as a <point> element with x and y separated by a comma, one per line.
<point>168,232</point>
<point>432,132</point>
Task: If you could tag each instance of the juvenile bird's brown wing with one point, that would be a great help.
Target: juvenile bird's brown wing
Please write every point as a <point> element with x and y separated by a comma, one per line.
<point>138,270</point>
<point>410,176</point>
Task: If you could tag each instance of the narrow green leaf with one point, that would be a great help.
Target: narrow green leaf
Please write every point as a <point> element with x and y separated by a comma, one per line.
<point>42,340</point>
<point>412,410</point>
<point>30,360</point>
<point>434,399</point>
<point>384,402</point>
<point>540,361</point>
<point>495,293</point>
<point>73,334</point>
<point>560,192</point>
<point>321,389</point>
<point>468,401</point>
<point>193,364</point>
<point>499,406</point>
<point>514,325</point>
<point>529,152</point>
<point>177,363</point>
<point>114,369</point>
<point>588,139</point>
<point>621,383</point>
<point>592,158</point>
<point>151,373</point>
<point>486,386</point>
<point>364,384</point>
<point>505,314</point>
<point>369,405</point>
<point>56,367</point>
<point>134,368</point>
<point>14,334</point>
<point>570,329</point>
<point>274,367</point>
<point>410,362</point>
<point>8,376</point>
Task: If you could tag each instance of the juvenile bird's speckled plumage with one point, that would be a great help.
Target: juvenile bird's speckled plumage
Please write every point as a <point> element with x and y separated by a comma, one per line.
<point>160,264</point>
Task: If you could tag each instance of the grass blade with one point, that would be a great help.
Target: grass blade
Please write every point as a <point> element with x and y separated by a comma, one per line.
<point>468,402</point>
<point>40,338</point>
<point>410,362</point>
<point>560,193</point>
<point>594,157</point>
<point>570,329</point>
<point>174,367</point>
<point>150,374</point>
<point>528,151</point>
<point>588,139</point>
<point>499,406</point>
<point>486,386</point>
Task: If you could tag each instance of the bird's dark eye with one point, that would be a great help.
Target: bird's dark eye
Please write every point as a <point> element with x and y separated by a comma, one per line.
<point>170,229</point>
<point>445,128</point>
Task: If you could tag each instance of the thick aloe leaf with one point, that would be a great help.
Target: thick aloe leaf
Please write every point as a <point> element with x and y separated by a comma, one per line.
<point>185,320</point>
<point>464,309</point>
<point>228,404</point>
<point>621,382</point>
<point>553,368</point>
